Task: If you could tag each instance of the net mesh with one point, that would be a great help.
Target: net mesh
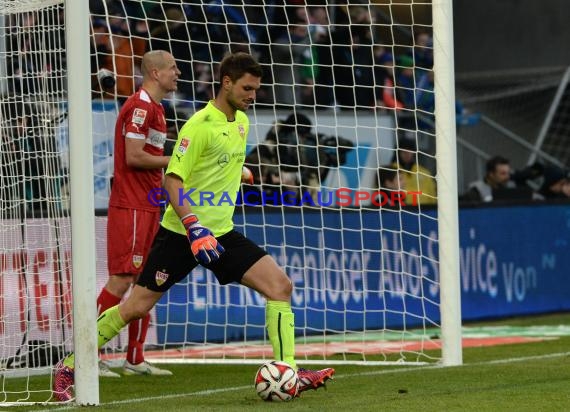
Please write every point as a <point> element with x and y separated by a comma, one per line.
<point>346,101</point>
<point>340,176</point>
<point>24,6</point>
<point>35,301</point>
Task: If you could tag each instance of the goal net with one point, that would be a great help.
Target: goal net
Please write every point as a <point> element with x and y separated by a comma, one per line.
<point>342,138</point>
<point>342,145</point>
<point>35,239</point>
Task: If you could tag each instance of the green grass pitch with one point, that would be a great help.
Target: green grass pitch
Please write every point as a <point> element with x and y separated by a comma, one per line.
<point>520,377</point>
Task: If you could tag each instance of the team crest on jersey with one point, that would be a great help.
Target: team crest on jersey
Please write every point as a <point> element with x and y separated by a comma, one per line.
<point>241,130</point>
<point>184,143</point>
<point>139,115</point>
<point>137,261</point>
<point>160,277</point>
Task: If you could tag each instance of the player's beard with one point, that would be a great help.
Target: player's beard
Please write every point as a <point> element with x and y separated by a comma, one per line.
<point>238,104</point>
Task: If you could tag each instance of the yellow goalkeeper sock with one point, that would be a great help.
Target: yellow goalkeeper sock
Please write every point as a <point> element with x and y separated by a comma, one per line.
<point>109,325</point>
<point>281,330</point>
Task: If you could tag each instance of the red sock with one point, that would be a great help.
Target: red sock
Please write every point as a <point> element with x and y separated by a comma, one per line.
<point>137,336</point>
<point>106,300</point>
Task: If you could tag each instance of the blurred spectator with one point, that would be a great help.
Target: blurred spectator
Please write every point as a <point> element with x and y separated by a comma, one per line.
<point>319,23</point>
<point>392,187</point>
<point>274,164</point>
<point>556,184</point>
<point>414,90</point>
<point>24,44</point>
<point>405,93</point>
<point>416,177</point>
<point>171,33</point>
<point>353,58</point>
<point>31,163</point>
<point>118,44</point>
<point>390,179</point>
<point>423,50</point>
<point>102,75</point>
<point>320,34</point>
<point>497,178</point>
<point>217,27</point>
<point>414,80</point>
<point>293,158</point>
<point>384,78</point>
<point>293,65</point>
<point>414,76</point>
<point>529,175</point>
<point>129,44</point>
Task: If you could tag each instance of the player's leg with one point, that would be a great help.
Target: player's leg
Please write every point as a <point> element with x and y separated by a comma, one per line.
<point>109,325</point>
<point>129,238</point>
<point>149,288</point>
<point>113,320</point>
<point>169,261</point>
<point>147,225</point>
<point>269,279</point>
<point>135,364</point>
<point>246,263</point>
<point>111,295</point>
<point>122,267</point>
<point>266,277</point>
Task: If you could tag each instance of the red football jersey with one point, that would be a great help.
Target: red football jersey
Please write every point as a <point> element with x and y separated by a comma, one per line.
<point>139,118</point>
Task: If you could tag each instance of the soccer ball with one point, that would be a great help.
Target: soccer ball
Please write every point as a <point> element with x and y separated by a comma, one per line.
<point>276,381</point>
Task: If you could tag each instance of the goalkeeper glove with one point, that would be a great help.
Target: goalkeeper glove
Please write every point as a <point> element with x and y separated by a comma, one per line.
<point>246,176</point>
<point>203,244</point>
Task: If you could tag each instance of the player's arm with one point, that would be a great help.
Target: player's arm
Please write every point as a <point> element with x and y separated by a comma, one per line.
<point>203,244</point>
<point>175,189</point>
<point>136,156</point>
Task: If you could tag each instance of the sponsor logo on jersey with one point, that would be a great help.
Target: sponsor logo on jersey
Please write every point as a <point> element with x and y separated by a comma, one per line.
<point>241,130</point>
<point>137,261</point>
<point>223,160</point>
<point>139,116</point>
<point>160,277</point>
<point>184,143</point>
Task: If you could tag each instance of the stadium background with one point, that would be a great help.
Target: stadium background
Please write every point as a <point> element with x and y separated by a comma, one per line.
<point>508,70</point>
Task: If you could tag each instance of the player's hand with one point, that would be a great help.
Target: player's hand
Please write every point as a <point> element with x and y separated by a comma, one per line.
<point>203,244</point>
<point>246,176</point>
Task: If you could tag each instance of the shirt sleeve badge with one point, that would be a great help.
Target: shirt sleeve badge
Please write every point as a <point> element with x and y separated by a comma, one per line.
<point>184,143</point>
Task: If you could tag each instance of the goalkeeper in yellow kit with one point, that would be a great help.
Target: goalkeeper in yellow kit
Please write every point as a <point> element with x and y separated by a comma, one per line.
<point>208,158</point>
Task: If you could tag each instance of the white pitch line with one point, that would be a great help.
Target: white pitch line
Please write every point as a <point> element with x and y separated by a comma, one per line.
<point>369,373</point>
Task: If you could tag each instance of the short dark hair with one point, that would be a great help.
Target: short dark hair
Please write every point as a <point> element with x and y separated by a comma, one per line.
<point>495,161</point>
<point>386,173</point>
<point>237,64</point>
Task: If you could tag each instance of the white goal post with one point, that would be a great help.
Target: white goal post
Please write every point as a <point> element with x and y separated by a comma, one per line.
<point>81,203</point>
<point>448,222</point>
<point>374,82</point>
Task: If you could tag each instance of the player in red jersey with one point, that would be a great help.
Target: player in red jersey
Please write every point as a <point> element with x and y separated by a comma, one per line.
<point>140,133</point>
